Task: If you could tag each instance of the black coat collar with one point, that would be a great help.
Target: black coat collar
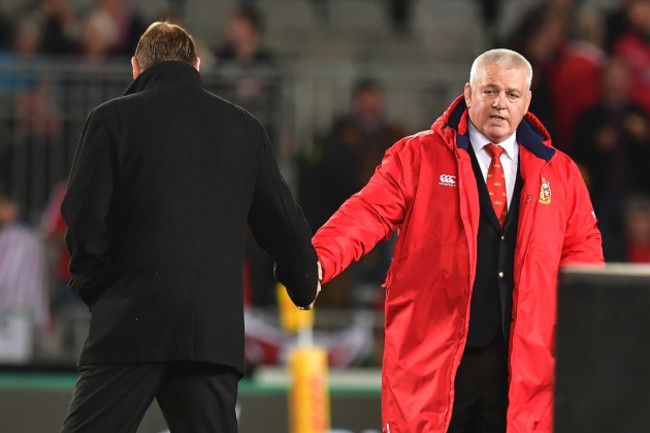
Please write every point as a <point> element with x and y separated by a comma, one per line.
<point>165,74</point>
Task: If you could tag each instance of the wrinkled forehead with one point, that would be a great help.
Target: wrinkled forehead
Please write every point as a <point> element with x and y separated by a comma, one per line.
<point>507,78</point>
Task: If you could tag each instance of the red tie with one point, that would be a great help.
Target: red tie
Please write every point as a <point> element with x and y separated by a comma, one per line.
<point>496,183</point>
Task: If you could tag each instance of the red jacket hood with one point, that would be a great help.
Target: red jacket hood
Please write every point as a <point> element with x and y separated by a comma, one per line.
<point>530,132</point>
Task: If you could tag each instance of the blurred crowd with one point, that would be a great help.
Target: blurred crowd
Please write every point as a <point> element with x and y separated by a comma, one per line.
<point>591,88</point>
<point>55,27</point>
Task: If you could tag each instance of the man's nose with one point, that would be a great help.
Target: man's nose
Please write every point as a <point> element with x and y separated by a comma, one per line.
<point>500,101</point>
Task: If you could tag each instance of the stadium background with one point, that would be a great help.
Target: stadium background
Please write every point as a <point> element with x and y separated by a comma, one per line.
<point>335,82</point>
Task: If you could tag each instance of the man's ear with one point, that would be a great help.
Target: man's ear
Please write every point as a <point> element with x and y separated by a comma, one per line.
<point>467,93</point>
<point>136,67</point>
<point>197,63</point>
<point>529,97</point>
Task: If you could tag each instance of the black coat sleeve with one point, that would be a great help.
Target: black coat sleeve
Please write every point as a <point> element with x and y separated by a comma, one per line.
<point>280,228</point>
<point>86,209</point>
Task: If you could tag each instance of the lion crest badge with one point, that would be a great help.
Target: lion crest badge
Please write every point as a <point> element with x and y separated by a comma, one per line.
<point>545,193</point>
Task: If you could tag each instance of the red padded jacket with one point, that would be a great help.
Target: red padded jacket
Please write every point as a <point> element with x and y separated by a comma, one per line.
<point>426,189</point>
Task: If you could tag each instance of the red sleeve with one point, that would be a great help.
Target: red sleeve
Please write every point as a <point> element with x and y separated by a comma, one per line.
<point>372,214</point>
<point>582,240</point>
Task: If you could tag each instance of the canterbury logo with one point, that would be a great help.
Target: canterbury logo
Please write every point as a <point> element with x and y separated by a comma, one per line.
<point>447,180</point>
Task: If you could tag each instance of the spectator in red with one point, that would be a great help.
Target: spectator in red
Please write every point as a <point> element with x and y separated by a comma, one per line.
<point>576,72</point>
<point>634,46</point>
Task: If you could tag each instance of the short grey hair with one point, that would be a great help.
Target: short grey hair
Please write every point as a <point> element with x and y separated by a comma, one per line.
<point>503,58</point>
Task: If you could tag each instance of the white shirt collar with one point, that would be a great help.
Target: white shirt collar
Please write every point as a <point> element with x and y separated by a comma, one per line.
<point>479,140</point>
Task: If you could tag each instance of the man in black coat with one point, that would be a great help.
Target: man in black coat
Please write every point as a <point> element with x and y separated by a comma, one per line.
<point>163,184</point>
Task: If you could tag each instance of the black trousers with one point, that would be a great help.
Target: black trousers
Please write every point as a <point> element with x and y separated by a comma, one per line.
<point>193,398</point>
<point>481,390</point>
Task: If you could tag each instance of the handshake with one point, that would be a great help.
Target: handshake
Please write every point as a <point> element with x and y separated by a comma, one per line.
<point>318,287</point>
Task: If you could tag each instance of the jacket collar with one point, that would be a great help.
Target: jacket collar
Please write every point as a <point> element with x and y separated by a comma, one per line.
<point>165,74</point>
<point>531,134</point>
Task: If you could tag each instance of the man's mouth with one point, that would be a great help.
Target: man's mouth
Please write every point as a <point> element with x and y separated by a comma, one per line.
<point>496,118</point>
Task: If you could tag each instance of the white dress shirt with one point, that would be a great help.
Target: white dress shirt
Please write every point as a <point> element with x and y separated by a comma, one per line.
<point>509,158</point>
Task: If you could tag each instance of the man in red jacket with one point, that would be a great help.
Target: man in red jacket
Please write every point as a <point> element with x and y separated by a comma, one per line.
<point>487,212</point>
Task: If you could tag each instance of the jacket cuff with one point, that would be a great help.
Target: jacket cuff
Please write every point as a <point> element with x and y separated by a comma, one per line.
<point>326,266</point>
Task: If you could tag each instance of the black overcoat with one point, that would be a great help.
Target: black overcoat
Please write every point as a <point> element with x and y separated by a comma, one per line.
<point>162,186</point>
